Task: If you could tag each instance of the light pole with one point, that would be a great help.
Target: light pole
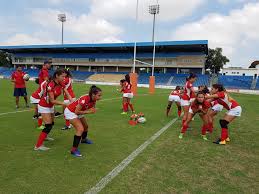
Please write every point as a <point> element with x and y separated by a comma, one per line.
<point>62,18</point>
<point>154,9</point>
<point>135,44</point>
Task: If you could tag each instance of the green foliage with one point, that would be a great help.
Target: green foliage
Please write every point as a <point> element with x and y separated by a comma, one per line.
<point>5,59</point>
<point>215,60</point>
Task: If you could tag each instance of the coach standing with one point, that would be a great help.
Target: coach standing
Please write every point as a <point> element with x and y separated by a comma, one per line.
<point>19,86</point>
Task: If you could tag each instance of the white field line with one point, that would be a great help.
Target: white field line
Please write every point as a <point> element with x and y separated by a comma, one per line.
<point>7,113</point>
<point>112,174</point>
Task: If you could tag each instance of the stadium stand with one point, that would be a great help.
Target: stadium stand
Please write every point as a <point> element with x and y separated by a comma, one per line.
<point>114,78</point>
<point>180,79</point>
<point>236,82</point>
<point>172,79</point>
<point>257,85</point>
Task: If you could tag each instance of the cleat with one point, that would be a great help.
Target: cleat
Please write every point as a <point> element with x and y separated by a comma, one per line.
<point>76,153</point>
<point>181,136</point>
<point>41,148</point>
<point>27,106</point>
<point>40,128</point>
<point>219,142</point>
<point>228,139</point>
<point>87,141</point>
<point>204,138</point>
<point>49,139</point>
<point>35,117</point>
<point>66,127</point>
<point>57,114</point>
<point>124,113</point>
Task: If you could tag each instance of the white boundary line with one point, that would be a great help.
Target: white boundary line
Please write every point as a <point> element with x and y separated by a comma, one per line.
<point>7,113</point>
<point>112,174</point>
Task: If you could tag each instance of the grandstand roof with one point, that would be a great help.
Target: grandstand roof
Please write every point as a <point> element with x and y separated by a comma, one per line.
<point>170,46</point>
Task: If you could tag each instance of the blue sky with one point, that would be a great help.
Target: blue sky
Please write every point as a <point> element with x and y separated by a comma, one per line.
<point>230,24</point>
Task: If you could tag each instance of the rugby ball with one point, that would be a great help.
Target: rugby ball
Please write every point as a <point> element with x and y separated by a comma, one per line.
<point>142,120</point>
<point>26,77</point>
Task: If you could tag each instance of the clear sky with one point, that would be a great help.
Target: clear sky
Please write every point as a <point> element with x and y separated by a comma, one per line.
<point>230,24</point>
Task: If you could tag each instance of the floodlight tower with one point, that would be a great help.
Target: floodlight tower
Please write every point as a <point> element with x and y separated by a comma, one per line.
<point>153,10</point>
<point>62,18</point>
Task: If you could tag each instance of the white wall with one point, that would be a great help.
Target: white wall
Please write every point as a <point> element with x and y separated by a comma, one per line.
<point>240,71</point>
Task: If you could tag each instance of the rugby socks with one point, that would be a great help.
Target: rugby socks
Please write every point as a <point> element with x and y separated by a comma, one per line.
<point>224,134</point>
<point>84,135</point>
<point>125,107</point>
<point>204,129</point>
<point>184,128</point>
<point>41,138</point>
<point>76,142</point>
<point>67,123</point>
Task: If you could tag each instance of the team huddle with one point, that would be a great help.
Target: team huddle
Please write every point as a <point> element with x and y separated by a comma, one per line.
<point>207,104</point>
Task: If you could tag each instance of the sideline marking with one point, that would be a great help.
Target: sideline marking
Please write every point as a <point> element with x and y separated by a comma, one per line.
<point>112,174</point>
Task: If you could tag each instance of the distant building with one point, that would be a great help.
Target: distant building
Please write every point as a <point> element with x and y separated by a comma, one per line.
<point>239,71</point>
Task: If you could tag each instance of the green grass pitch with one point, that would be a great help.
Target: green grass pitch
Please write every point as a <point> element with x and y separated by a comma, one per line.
<point>168,165</point>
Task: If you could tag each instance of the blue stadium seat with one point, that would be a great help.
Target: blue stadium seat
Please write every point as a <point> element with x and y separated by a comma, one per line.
<point>235,82</point>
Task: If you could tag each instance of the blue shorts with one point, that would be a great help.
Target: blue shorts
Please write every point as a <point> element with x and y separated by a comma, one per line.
<point>20,92</point>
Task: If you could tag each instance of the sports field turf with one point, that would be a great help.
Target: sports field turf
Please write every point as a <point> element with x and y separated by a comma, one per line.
<point>168,165</point>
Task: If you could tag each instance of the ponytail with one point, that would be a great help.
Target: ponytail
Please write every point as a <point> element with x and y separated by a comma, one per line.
<point>219,87</point>
<point>94,90</point>
<point>58,72</point>
<point>127,78</point>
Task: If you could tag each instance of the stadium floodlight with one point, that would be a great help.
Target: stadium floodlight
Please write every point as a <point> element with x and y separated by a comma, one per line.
<point>62,18</point>
<point>153,10</point>
<point>135,44</point>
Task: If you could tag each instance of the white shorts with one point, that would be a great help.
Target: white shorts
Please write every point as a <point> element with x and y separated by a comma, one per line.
<point>191,100</point>
<point>217,108</point>
<point>34,100</point>
<point>68,102</point>
<point>185,102</point>
<point>42,109</point>
<point>235,111</point>
<point>174,98</point>
<point>128,95</point>
<point>190,110</point>
<point>70,115</point>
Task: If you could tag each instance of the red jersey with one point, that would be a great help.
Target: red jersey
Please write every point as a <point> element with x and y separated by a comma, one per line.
<point>195,106</point>
<point>175,93</point>
<point>84,101</point>
<point>50,87</point>
<point>40,91</point>
<point>126,87</point>
<point>44,72</point>
<point>226,101</point>
<point>68,86</point>
<point>18,77</point>
<point>188,94</point>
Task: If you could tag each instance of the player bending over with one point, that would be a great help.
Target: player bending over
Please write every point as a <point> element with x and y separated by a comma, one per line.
<point>75,113</point>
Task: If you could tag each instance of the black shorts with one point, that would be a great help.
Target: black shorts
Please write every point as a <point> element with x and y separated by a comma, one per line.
<point>20,92</point>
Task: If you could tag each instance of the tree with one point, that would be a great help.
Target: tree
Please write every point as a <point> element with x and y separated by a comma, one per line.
<point>254,64</point>
<point>215,60</point>
<point>5,59</point>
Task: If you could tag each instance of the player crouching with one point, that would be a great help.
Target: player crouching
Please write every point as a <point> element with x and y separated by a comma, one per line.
<point>200,106</point>
<point>234,110</point>
<point>75,112</point>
